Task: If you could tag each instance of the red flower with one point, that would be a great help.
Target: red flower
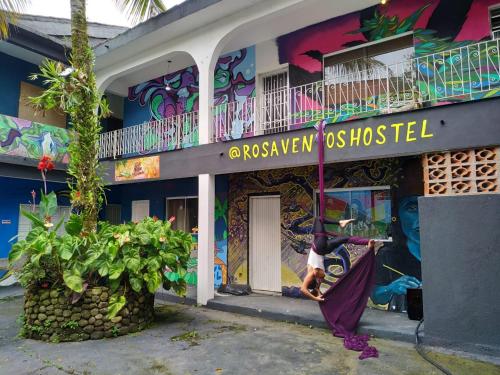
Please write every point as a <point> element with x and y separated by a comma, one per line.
<point>45,164</point>
<point>77,194</point>
<point>172,219</point>
<point>155,218</point>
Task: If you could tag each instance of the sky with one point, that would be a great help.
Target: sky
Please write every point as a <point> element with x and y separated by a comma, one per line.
<point>103,11</point>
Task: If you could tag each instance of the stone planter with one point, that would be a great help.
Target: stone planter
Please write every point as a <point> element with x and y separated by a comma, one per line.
<point>50,316</point>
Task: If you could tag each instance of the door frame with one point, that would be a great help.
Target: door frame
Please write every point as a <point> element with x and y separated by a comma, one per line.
<point>249,196</point>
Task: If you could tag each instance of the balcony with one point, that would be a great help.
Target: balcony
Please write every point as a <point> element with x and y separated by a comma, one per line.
<point>457,75</point>
<point>32,140</point>
<point>167,134</point>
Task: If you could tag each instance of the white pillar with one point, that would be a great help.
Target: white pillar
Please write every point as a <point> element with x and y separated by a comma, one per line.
<point>206,98</point>
<point>206,228</point>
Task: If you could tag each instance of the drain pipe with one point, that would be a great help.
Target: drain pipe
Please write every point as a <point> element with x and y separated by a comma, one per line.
<point>420,350</point>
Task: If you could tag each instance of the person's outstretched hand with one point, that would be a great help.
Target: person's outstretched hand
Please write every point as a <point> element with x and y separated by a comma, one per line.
<point>344,223</point>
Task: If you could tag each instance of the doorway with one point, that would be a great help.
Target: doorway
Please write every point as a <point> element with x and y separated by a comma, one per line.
<point>140,210</point>
<point>265,243</point>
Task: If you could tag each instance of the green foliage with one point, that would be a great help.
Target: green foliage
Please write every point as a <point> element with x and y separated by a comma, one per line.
<point>121,257</point>
<point>382,26</point>
<point>70,324</point>
<point>73,91</point>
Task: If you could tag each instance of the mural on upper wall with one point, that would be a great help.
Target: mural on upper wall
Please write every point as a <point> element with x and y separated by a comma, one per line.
<point>437,26</point>
<point>296,188</point>
<point>234,82</point>
<point>32,140</point>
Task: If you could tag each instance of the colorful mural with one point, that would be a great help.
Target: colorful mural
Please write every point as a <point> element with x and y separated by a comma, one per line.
<point>137,169</point>
<point>32,140</point>
<point>296,187</point>
<point>220,251</point>
<point>234,81</point>
<point>442,78</point>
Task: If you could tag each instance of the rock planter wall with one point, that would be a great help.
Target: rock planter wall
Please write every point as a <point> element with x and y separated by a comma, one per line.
<point>50,316</point>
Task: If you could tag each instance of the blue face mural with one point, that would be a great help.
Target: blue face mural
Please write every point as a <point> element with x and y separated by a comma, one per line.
<point>391,287</point>
<point>408,216</point>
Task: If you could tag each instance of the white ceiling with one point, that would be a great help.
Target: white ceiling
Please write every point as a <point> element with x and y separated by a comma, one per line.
<point>297,16</point>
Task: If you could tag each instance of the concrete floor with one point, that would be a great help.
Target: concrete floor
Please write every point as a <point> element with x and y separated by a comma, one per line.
<point>382,324</point>
<point>190,340</point>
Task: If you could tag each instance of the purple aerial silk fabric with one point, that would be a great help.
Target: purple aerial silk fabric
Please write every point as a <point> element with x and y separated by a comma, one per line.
<point>345,302</point>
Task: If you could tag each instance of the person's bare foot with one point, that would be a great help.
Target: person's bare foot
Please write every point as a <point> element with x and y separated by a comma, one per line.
<point>344,223</point>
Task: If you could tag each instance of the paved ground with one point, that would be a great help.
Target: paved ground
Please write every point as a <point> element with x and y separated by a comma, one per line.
<point>393,326</point>
<point>190,340</point>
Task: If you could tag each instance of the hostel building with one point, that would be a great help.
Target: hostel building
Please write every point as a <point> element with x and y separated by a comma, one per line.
<point>220,99</point>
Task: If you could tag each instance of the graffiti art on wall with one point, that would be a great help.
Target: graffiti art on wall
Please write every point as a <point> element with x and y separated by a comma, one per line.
<point>234,82</point>
<point>398,262</point>
<point>137,169</point>
<point>33,140</point>
<point>296,188</point>
<point>220,251</point>
<point>436,26</point>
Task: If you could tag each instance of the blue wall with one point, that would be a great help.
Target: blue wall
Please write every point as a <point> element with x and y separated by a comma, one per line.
<point>14,192</point>
<point>12,72</point>
<point>156,192</point>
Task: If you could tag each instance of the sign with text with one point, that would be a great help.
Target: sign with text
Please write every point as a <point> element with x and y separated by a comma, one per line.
<point>370,136</point>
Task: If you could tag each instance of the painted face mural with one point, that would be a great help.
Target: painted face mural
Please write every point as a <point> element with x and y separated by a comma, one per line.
<point>408,216</point>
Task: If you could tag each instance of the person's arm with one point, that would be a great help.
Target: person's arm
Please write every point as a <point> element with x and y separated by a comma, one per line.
<point>307,280</point>
<point>341,223</point>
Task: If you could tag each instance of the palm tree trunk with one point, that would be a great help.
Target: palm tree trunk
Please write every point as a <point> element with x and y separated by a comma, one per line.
<point>84,149</point>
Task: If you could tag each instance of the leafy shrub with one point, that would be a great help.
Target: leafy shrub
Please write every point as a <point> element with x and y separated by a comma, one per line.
<point>121,257</point>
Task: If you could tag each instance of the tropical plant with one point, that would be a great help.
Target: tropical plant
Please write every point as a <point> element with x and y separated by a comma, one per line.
<point>122,257</point>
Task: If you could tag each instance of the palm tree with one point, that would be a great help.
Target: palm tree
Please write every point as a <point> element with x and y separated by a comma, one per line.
<point>9,10</point>
<point>74,91</point>
<point>87,190</point>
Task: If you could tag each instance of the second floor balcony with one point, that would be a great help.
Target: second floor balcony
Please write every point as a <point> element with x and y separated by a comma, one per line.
<point>462,74</point>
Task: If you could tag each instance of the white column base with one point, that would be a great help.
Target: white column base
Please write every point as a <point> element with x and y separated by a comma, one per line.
<point>206,228</point>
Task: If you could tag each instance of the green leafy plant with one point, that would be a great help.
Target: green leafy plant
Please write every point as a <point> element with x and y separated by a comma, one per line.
<point>123,257</point>
<point>70,324</point>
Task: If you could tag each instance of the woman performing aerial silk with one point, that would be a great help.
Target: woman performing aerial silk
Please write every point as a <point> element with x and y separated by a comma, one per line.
<point>344,302</point>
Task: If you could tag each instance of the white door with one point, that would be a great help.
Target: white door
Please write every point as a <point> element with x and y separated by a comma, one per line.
<point>265,244</point>
<point>24,225</point>
<point>140,210</point>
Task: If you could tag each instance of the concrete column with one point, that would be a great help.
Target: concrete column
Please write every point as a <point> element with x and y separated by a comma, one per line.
<point>206,229</point>
<point>206,98</point>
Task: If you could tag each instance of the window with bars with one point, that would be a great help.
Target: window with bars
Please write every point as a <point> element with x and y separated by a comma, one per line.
<point>275,102</point>
<point>495,21</point>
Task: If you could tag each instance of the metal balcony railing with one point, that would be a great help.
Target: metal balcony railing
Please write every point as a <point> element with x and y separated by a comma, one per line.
<point>167,134</point>
<point>461,74</point>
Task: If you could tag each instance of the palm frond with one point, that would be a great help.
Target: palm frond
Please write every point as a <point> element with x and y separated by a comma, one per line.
<point>9,12</point>
<point>140,10</point>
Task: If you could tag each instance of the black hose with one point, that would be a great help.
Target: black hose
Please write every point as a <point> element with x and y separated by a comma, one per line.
<point>420,350</point>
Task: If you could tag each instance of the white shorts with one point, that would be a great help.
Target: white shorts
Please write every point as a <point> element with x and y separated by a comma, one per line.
<point>315,260</point>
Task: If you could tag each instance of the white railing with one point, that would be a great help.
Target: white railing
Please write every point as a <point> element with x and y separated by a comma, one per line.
<point>155,136</point>
<point>466,73</point>
<point>234,119</point>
